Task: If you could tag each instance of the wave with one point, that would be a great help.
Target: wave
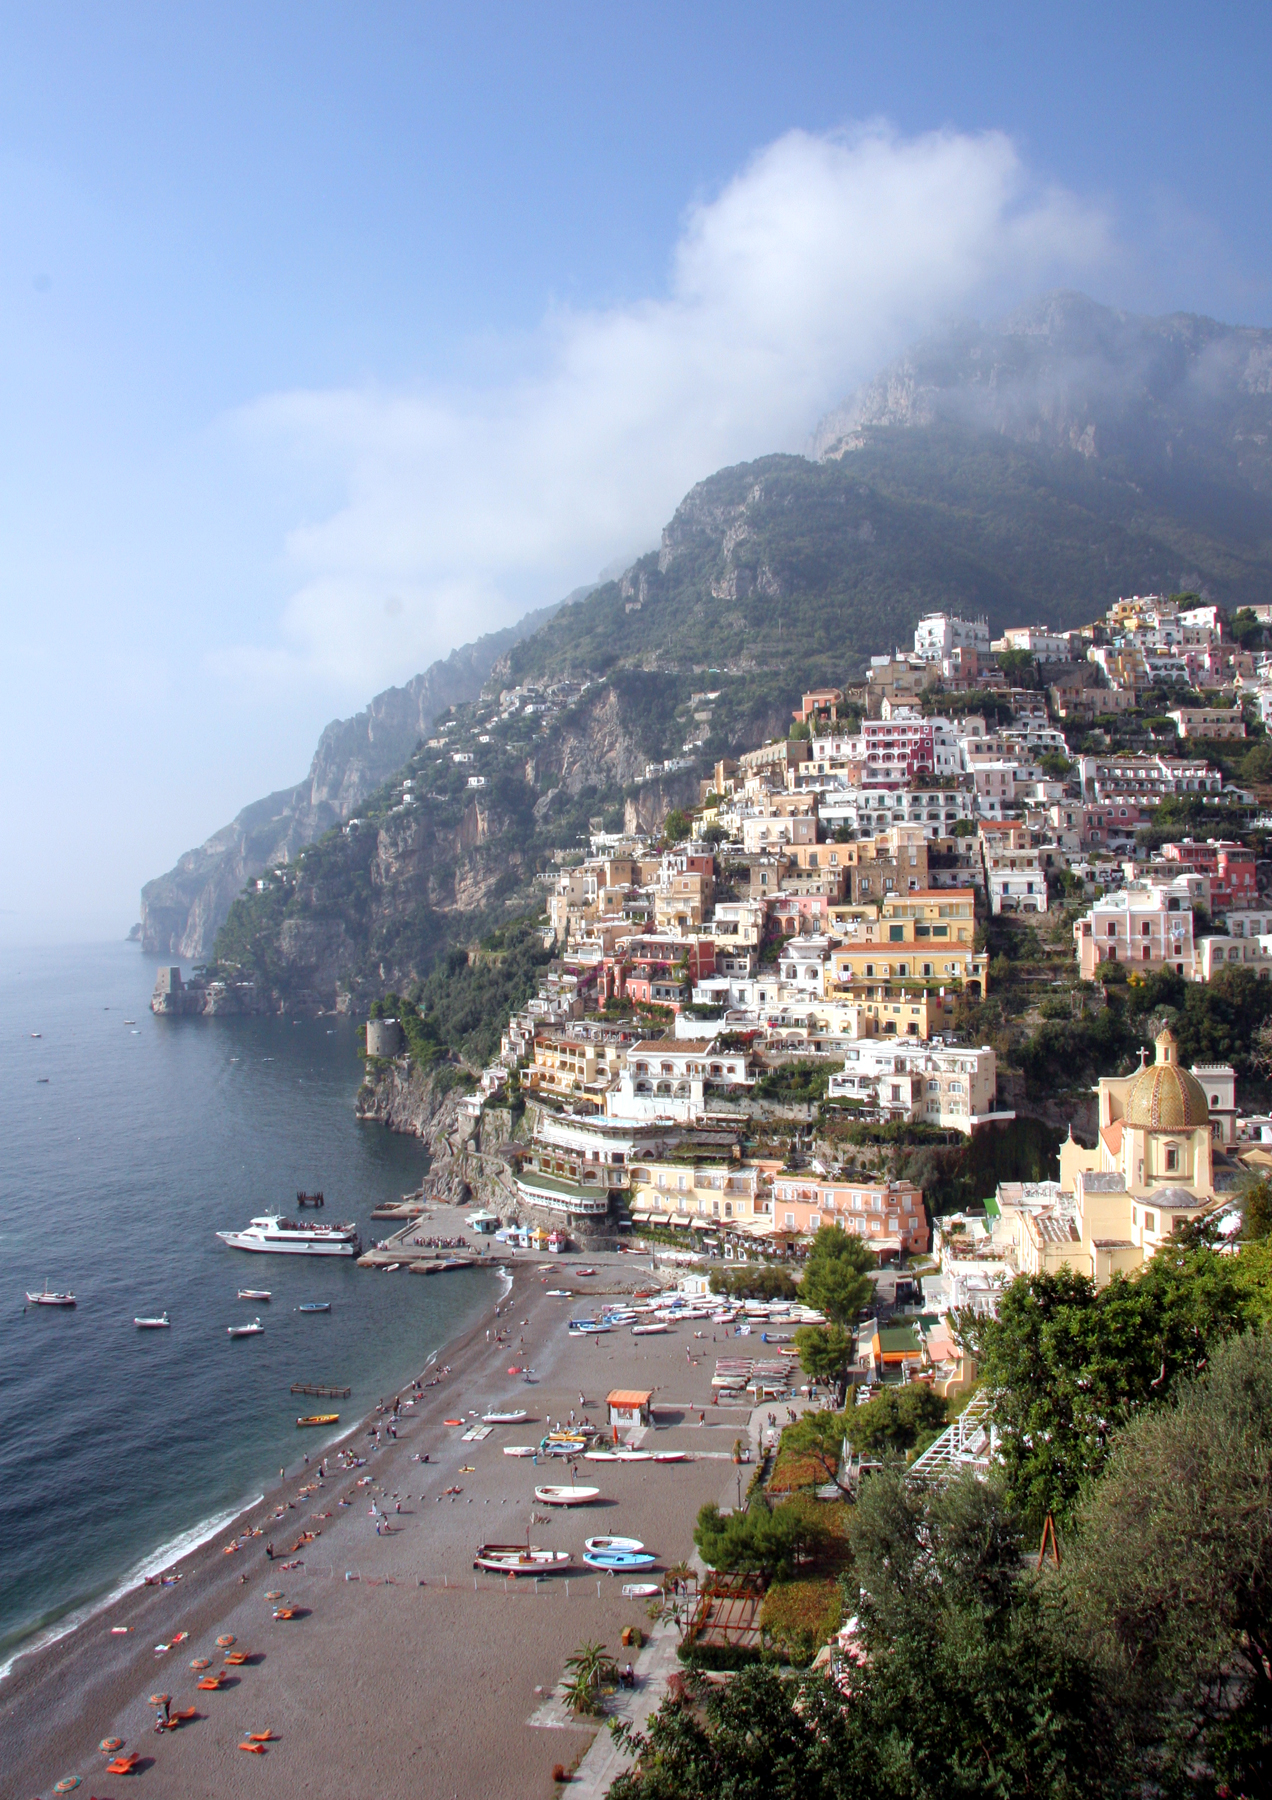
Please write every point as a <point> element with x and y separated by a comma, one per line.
<point>153,1563</point>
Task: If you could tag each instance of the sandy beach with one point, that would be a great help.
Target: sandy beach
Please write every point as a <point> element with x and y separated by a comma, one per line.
<point>402,1669</point>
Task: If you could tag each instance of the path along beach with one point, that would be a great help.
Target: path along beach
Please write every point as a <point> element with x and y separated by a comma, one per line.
<point>402,1671</point>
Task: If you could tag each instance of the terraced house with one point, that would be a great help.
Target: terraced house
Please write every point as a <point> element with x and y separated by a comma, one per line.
<point>889,1215</point>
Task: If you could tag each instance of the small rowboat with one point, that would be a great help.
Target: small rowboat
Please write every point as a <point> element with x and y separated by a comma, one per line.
<point>253,1294</point>
<point>648,1330</point>
<point>619,1561</point>
<point>162,1323</point>
<point>666,1456</point>
<point>581,1271</point>
<point>600,1456</point>
<point>253,1330</point>
<point>598,1544</point>
<point>318,1419</point>
<point>505,1418</point>
<point>518,1449</point>
<point>633,1456</point>
<point>314,1306</point>
<point>520,1559</point>
<point>567,1496</point>
<point>640,1590</point>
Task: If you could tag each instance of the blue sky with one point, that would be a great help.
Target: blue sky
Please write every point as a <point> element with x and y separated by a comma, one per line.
<point>329,336</point>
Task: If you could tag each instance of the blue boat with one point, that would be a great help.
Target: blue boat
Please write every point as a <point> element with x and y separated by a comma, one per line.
<point>619,1561</point>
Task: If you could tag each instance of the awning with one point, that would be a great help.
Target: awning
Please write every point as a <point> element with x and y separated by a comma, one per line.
<point>659,1219</point>
<point>640,1217</point>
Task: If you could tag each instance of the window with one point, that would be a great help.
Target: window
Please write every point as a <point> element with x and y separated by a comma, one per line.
<point>1172,1158</point>
<point>1150,1221</point>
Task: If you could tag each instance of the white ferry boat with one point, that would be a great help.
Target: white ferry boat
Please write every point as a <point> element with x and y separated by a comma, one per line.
<point>281,1236</point>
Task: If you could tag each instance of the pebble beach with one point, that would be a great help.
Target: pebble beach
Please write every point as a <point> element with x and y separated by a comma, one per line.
<point>402,1669</point>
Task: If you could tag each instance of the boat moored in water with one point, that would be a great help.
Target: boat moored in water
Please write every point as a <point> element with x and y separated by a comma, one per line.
<point>318,1419</point>
<point>254,1294</point>
<point>314,1306</point>
<point>272,1233</point>
<point>47,1297</point>
<point>162,1323</point>
<point>253,1330</point>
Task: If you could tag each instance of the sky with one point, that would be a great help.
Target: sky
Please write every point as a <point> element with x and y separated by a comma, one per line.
<point>331,337</point>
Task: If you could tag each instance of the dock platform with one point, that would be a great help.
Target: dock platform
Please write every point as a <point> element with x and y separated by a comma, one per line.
<point>324,1393</point>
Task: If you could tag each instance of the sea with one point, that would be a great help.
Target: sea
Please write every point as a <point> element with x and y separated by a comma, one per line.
<point>126,1142</point>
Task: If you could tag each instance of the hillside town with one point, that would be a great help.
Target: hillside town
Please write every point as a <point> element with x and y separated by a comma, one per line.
<point>810,942</point>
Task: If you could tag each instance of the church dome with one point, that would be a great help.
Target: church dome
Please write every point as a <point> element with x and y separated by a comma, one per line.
<point>1165,1097</point>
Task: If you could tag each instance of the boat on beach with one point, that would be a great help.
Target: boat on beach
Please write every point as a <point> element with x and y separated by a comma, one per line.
<point>521,1559</point>
<point>48,1297</point>
<point>162,1323</point>
<point>666,1456</point>
<point>253,1330</point>
<point>273,1234</point>
<point>619,1561</point>
<point>648,1330</point>
<point>254,1294</point>
<point>519,1450</point>
<point>505,1418</point>
<point>318,1419</point>
<point>598,1544</point>
<point>567,1496</point>
<point>313,1306</point>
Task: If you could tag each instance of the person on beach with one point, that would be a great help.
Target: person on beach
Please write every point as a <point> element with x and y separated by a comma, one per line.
<point>269,1551</point>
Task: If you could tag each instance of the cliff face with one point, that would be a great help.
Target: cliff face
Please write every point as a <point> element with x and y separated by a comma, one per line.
<point>469,1156</point>
<point>182,911</point>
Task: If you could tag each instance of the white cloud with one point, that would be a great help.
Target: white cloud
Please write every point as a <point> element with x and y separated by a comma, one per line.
<point>818,261</point>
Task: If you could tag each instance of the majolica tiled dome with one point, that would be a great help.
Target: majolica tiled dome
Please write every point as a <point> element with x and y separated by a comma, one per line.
<point>1165,1097</point>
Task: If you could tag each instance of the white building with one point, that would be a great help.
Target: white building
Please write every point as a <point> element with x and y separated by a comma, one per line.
<point>1147,928</point>
<point>938,633</point>
<point>865,810</point>
<point>921,1082</point>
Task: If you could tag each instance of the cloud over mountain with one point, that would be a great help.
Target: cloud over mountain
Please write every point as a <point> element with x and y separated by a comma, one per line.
<point>456,509</point>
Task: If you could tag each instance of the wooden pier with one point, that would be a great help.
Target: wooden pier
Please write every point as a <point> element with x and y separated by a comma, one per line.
<point>323,1393</point>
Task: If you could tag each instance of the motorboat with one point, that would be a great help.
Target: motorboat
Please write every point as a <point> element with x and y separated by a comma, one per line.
<point>162,1323</point>
<point>521,1559</point>
<point>47,1297</point>
<point>272,1233</point>
<point>597,1544</point>
<point>504,1418</point>
<point>254,1294</point>
<point>648,1330</point>
<point>308,1306</point>
<point>318,1419</point>
<point>567,1496</point>
<point>620,1561</point>
<point>253,1330</point>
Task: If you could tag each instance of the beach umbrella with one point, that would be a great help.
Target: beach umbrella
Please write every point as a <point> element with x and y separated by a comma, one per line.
<point>160,1699</point>
<point>66,1784</point>
<point>226,1641</point>
<point>110,1745</point>
<point>200,1663</point>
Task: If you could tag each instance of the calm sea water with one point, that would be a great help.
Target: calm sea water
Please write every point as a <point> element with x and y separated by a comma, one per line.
<point>147,1137</point>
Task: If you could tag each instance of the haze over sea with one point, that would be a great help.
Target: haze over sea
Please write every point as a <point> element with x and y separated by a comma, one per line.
<point>117,1445</point>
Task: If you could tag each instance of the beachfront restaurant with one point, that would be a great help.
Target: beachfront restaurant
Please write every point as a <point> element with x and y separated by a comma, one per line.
<point>629,1406</point>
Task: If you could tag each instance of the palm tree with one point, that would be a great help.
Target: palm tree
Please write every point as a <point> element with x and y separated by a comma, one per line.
<point>590,1665</point>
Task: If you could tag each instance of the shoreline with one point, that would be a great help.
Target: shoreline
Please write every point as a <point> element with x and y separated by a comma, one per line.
<point>434,1618</point>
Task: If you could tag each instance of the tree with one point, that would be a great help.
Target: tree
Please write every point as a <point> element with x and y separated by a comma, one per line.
<point>1069,1365</point>
<point>757,1281</point>
<point>893,1421</point>
<point>819,1436</point>
<point>1173,1569</point>
<point>825,1352</point>
<point>835,1279</point>
<point>759,1541</point>
<point>1257,1210</point>
<point>677,825</point>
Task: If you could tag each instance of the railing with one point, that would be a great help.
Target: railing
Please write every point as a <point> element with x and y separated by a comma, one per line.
<point>969,1443</point>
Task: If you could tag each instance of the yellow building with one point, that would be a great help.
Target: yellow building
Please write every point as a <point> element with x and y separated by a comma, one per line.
<point>705,1195</point>
<point>568,1065</point>
<point>1151,1170</point>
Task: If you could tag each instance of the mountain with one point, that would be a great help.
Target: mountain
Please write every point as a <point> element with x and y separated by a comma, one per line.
<point>1031,470</point>
<point>182,911</point>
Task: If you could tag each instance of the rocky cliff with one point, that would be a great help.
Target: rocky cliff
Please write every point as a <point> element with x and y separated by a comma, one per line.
<point>468,1156</point>
<point>182,911</point>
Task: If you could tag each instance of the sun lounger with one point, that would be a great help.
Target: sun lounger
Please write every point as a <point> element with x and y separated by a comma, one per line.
<point>124,1765</point>
<point>210,1683</point>
<point>253,1749</point>
<point>237,1658</point>
<point>259,1737</point>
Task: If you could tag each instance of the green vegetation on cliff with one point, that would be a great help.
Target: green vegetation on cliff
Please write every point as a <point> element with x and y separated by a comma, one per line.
<point>463,1007</point>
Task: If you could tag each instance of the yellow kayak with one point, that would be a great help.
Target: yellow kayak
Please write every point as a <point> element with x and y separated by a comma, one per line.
<point>319,1419</point>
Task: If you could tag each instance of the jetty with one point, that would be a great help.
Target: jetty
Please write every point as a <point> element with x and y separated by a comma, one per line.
<point>321,1392</point>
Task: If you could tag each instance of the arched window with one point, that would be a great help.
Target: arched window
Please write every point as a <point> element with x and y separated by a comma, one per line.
<point>1172,1158</point>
